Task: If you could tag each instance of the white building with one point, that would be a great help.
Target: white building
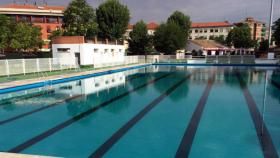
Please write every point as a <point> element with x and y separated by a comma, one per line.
<point>74,49</point>
<point>209,30</point>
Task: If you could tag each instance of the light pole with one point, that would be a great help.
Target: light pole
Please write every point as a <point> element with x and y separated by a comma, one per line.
<point>270,23</point>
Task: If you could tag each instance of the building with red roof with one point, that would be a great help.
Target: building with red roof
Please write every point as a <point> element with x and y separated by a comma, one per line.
<point>209,30</point>
<point>49,18</point>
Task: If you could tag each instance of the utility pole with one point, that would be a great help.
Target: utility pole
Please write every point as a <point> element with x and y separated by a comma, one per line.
<point>270,23</point>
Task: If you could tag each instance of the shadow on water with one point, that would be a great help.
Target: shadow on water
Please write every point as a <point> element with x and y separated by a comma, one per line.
<point>272,89</point>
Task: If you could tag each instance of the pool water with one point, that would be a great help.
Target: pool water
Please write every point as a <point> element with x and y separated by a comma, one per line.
<point>156,111</point>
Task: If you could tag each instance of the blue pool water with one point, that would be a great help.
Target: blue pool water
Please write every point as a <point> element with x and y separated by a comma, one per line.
<point>155,111</point>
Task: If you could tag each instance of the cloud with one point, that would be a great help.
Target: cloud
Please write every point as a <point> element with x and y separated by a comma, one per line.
<point>198,10</point>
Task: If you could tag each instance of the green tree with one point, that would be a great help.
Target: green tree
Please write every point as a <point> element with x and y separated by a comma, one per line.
<point>112,19</point>
<point>219,39</point>
<point>139,40</point>
<point>240,37</point>
<point>56,33</point>
<point>5,32</point>
<point>276,29</point>
<point>182,20</point>
<point>80,19</point>
<point>263,45</point>
<point>25,37</point>
<point>169,37</point>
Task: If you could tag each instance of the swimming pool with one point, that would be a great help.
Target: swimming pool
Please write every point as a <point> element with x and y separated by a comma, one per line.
<point>154,111</point>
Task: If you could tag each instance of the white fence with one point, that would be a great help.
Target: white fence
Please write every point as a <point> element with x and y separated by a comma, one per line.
<point>25,66</point>
<point>127,61</point>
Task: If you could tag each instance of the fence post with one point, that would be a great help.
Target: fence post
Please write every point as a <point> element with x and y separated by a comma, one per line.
<point>23,66</point>
<point>7,68</point>
<point>50,64</point>
<point>38,65</point>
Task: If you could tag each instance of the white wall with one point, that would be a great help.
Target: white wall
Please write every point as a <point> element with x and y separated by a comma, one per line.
<point>90,54</point>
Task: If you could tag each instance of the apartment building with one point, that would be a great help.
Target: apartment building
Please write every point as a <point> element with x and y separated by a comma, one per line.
<point>258,28</point>
<point>207,30</point>
<point>49,18</point>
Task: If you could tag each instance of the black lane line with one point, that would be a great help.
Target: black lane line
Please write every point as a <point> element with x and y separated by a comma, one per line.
<point>275,84</point>
<point>40,109</point>
<point>2,122</point>
<point>188,137</point>
<point>125,128</point>
<point>74,119</point>
<point>268,148</point>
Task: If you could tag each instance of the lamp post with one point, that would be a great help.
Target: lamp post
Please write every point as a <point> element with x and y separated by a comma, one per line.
<point>270,23</point>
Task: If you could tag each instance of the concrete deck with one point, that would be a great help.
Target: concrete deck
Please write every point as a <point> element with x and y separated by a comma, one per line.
<point>55,77</point>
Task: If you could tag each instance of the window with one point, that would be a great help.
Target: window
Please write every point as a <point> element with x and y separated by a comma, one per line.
<point>216,30</point>
<point>106,50</point>
<point>49,30</point>
<point>95,50</point>
<point>211,30</point>
<point>112,50</point>
<point>221,30</point>
<point>201,31</point>
<point>37,19</point>
<point>63,50</point>
<point>120,50</point>
<point>24,18</point>
<point>196,31</point>
<point>51,19</point>
<point>205,31</point>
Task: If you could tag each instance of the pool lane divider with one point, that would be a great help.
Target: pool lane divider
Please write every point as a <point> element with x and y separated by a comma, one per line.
<point>2,122</point>
<point>63,80</point>
<point>78,117</point>
<point>265,140</point>
<point>188,137</point>
<point>107,145</point>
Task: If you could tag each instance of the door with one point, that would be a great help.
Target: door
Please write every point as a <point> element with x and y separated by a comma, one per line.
<point>78,58</point>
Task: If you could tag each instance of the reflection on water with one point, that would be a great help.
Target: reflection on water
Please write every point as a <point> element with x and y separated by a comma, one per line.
<point>102,87</point>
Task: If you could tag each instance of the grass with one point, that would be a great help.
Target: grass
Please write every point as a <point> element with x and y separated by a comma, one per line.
<point>4,79</point>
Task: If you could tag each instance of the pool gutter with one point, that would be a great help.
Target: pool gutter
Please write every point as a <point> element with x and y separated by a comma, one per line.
<point>237,65</point>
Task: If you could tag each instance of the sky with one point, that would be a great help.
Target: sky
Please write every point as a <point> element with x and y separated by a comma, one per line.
<point>199,10</point>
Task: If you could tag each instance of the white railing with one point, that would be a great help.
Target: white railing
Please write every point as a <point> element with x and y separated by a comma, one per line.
<point>26,66</point>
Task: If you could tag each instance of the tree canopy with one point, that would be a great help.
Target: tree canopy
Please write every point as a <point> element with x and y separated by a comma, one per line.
<point>25,37</point>
<point>276,29</point>
<point>80,19</point>
<point>5,31</point>
<point>19,36</point>
<point>139,40</point>
<point>182,20</point>
<point>169,37</point>
<point>112,19</point>
<point>240,37</point>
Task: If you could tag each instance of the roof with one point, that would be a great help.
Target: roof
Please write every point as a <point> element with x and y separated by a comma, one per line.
<point>35,7</point>
<point>68,40</point>
<point>150,26</point>
<point>211,24</point>
<point>209,45</point>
